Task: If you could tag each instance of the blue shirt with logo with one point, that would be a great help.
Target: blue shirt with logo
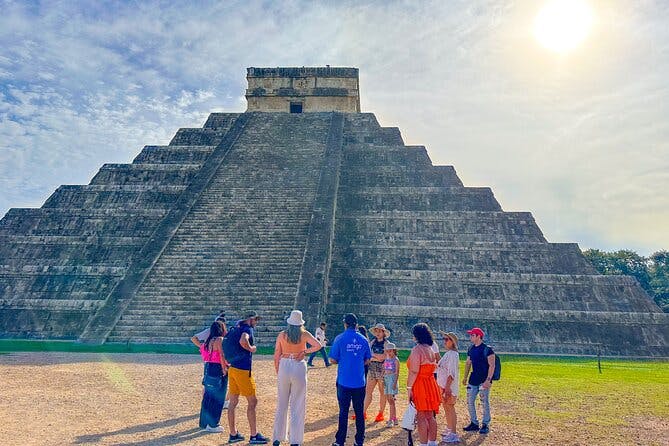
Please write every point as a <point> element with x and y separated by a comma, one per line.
<point>351,349</point>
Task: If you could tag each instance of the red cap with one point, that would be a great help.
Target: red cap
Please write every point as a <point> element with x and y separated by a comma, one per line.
<point>476,331</point>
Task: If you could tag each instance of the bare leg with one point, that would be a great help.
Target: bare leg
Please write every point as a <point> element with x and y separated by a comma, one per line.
<point>371,383</point>
<point>451,416</point>
<point>431,427</point>
<point>382,396</point>
<point>393,409</point>
<point>234,400</point>
<point>251,414</point>
<point>423,425</point>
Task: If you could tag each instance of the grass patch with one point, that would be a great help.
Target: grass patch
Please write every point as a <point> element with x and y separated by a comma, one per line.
<point>24,345</point>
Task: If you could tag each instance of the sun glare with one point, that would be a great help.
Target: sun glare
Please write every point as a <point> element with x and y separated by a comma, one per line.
<point>562,25</point>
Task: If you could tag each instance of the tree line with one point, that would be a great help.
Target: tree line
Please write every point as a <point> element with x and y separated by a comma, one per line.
<point>652,272</point>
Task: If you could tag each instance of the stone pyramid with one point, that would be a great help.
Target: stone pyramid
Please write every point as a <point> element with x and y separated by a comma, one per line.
<point>304,202</point>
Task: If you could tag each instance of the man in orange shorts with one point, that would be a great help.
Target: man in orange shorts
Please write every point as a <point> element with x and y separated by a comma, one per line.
<point>239,348</point>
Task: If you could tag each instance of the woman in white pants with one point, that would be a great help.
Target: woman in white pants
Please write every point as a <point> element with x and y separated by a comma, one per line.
<point>291,368</point>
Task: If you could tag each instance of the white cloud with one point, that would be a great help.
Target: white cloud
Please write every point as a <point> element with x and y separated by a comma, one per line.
<point>581,141</point>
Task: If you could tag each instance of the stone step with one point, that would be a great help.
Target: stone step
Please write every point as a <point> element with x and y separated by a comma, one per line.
<point>419,199</point>
<point>28,293</point>
<point>198,137</point>
<point>55,269</point>
<point>145,174</point>
<point>445,222</point>
<point>111,196</point>
<point>220,120</point>
<point>58,283</point>
<point>50,304</point>
<point>502,257</point>
<point>174,155</point>
<point>410,275</point>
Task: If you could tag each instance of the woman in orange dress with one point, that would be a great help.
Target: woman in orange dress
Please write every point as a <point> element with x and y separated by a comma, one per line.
<point>421,385</point>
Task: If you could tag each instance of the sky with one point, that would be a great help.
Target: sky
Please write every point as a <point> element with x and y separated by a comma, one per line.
<point>580,139</point>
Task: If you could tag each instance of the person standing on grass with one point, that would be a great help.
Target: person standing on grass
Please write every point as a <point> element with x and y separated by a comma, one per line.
<point>448,379</point>
<point>200,337</point>
<point>322,340</point>
<point>291,369</point>
<point>240,380</point>
<point>351,351</point>
<point>375,375</point>
<point>421,385</point>
<point>215,379</point>
<point>481,362</point>
<point>391,369</point>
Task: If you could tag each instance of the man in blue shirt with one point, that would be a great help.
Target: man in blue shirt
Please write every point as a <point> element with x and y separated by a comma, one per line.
<point>351,351</point>
<point>481,360</point>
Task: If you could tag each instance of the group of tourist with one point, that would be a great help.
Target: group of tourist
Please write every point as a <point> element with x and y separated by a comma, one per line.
<point>363,366</point>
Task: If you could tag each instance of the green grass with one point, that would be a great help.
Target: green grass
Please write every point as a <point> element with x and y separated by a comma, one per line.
<point>573,388</point>
<point>23,345</point>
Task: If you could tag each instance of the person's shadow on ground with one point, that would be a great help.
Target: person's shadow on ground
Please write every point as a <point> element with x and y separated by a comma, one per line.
<point>167,439</point>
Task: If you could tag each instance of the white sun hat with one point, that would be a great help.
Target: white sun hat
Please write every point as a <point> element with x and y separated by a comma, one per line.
<point>295,318</point>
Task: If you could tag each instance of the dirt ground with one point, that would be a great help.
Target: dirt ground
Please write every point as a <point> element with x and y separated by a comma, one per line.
<point>154,399</point>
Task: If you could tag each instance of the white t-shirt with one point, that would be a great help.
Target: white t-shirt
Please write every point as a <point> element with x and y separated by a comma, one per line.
<point>435,347</point>
<point>320,335</point>
<point>203,335</point>
<point>449,365</point>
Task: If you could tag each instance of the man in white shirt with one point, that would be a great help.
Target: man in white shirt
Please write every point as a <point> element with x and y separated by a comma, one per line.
<point>201,336</point>
<point>320,337</point>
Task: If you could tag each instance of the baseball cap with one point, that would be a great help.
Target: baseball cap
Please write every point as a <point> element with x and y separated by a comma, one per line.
<point>476,331</point>
<point>350,319</point>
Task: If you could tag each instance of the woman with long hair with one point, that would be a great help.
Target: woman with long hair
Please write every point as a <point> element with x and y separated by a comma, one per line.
<point>376,373</point>
<point>215,380</point>
<point>291,368</point>
<point>448,379</point>
<point>421,385</point>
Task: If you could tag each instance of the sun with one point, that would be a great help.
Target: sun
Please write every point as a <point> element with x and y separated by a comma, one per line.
<point>562,25</point>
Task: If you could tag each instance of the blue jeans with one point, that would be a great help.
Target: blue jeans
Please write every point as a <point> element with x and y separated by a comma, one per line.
<point>472,392</point>
<point>346,395</point>
<point>323,354</point>
<point>213,398</point>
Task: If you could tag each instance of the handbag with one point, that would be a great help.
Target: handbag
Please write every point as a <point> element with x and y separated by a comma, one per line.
<point>211,380</point>
<point>409,417</point>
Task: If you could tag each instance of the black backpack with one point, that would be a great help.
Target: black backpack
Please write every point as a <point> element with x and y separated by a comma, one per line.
<point>231,348</point>
<point>498,365</point>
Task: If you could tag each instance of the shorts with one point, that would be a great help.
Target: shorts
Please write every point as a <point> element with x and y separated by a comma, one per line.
<point>389,385</point>
<point>241,382</point>
<point>376,370</point>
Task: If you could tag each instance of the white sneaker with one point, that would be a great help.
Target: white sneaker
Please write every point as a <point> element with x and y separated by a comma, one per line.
<point>214,430</point>
<point>451,438</point>
<point>226,404</point>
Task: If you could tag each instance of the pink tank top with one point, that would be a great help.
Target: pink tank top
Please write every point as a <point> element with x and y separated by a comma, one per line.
<point>209,356</point>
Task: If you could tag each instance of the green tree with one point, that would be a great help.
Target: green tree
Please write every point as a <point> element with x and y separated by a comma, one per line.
<point>659,278</point>
<point>651,272</point>
<point>632,264</point>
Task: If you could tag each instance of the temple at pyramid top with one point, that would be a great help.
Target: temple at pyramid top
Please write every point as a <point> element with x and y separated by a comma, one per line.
<point>303,90</point>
